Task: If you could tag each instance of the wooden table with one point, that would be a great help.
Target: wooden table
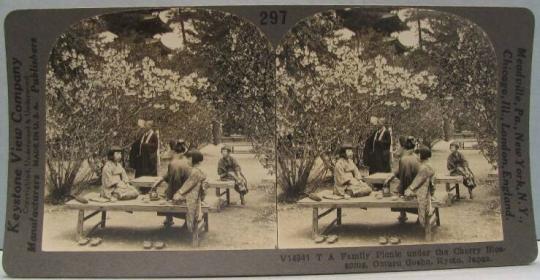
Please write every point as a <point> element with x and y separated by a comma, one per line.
<point>451,184</point>
<point>135,205</point>
<point>365,202</point>
<point>144,183</point>
<point>219,184</point>
<point>378,178</point>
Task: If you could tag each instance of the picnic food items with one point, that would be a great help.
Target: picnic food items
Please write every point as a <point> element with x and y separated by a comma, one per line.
<point>333,196</point>
<point>80,199</point>
<point>386,191</point>
<point>314,197</point>
<point>153,195</point>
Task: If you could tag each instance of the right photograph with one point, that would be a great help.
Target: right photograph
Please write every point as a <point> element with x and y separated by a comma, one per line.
<point>386,130</point>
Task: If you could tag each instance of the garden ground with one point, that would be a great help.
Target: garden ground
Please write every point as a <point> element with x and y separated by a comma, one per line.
<point>466,220</point>
<point>235,227</point>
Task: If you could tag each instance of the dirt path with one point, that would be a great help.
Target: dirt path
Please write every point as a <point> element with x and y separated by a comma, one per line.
<point>235,227</point>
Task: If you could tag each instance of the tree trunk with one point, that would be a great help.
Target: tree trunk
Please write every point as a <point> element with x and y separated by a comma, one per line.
<point>183,31</point>
<point>216,132</point>
<point>303,176</point>
<point>419,30</point>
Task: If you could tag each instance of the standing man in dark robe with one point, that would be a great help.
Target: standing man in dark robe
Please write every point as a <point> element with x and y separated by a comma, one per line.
<point>377,155</point>
<point>143,154</point>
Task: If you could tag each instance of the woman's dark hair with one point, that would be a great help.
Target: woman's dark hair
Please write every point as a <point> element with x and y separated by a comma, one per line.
<point>195,156</point>
<point>454,144</point>
<point>179,147</point>
<point>342,153</point>
<point>424,152</point>
<point>112,150</point>
<point>410,143</point>
<point>110,155</point>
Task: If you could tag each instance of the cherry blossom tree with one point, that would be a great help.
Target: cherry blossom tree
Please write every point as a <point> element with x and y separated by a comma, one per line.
<point>328,88</point>
<point>102,93</point>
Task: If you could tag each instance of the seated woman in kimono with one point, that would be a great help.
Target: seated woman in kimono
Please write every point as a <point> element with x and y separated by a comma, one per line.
<point>192,191</point>
<point>229,169</point>
<point>347,178</point>
<point>114,179</point>
<point>458,166</point>
<point>422,186</point>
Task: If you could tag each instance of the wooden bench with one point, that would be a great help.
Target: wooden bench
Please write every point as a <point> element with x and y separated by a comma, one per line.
<point>242,148</point>
<point>468,144</point>
<point>136,205</point>
<point>365,202</point>
<point>492,176</point>
<point>452,184</point>
<point>219,184</point>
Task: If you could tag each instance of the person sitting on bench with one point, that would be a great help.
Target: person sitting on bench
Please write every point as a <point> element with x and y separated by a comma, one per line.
<point>229,169</point>
<point>347,178</point>
<point>406,171</point>
<point>114,179</point>
<point>178,172</point>
<point>192,191</point>
<point>458,166</point>
<point>422,186</point>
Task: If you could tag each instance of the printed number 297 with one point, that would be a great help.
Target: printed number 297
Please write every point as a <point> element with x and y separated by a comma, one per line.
<point>273,17</point>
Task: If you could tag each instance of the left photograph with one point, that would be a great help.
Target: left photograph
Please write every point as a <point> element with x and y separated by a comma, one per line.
<point>160,134</point>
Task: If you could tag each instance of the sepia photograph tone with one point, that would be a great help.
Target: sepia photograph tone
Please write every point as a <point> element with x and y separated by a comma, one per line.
<point>386,130</point>
<point>184,129</point>
<point>160,130</point>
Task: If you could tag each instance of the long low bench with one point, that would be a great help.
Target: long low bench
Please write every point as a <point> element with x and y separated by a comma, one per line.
<point>136,205</point>
<point>219,185</point>
<point>451,184</point>
<point>370,201</point>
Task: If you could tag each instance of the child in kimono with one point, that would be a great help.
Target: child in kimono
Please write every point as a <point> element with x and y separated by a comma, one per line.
<point>347,178</point>
<point>422,186</point>
<point>229,169</point>
<point>192,191</point>
<point>114,179</point>
<point>458,166</point>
